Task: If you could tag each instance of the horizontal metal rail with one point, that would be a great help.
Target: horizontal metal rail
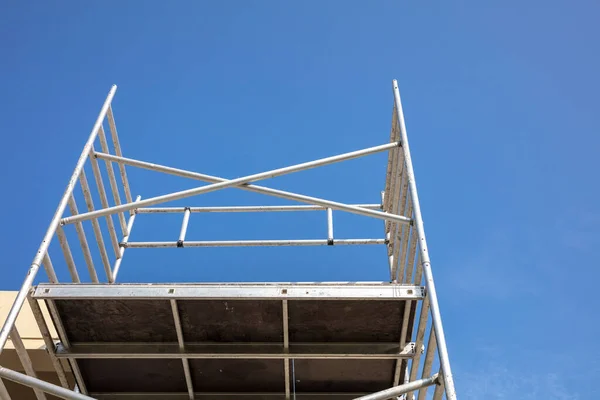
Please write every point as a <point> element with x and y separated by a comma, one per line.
<point>255,188</point>
<point>251,243</point>
<point>243,209</point>
<point>313,351</point>
<point>300,291</point>
<point>224,395</point>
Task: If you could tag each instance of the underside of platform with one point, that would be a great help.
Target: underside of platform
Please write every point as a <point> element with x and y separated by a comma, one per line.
<point>327,340</point>
<point>135,340</point>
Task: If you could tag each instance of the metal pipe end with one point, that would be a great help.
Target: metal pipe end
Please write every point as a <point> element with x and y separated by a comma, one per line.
<point>180,243</point>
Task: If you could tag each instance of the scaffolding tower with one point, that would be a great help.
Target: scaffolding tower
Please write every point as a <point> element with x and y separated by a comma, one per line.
<point>252,341</point>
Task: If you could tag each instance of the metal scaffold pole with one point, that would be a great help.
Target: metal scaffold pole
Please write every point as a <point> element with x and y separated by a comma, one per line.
<point>108,336</point>
<point>424,253</point>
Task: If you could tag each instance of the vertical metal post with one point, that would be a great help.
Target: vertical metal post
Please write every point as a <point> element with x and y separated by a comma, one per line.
<point>64,245</point>
<point>4,395</point>
<point>390,243</point>
<point>438,392</point>
<point>180,341</point>
<point>286,348</point>
<point>49,269</point>
<point>392,168</point>
<point>39,317</point>
<point>83,241</point>
<point>111,179</point>
<point>37,261</point>
<point>117,146</point>
<point>418,222</point>
<point>184,226</point>
<point>414,366</point>
<point>104,201</point>
<point>404,242</point>
<point>393,228</point>
<point>431,345</point>
<point>410,262</point>
<point>66,344</point>
<point>117,265</point>
<point>85,188</point>
<point>330,227</point>
<point>25,359</point>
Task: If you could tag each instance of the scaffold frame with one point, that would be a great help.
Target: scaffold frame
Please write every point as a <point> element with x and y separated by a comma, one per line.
<point>410,291</point>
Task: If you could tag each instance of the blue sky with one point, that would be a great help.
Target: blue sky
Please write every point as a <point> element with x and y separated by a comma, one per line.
<point>501,107</point>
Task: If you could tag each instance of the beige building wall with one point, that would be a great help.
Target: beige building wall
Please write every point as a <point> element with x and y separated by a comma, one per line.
<point>32,338</point>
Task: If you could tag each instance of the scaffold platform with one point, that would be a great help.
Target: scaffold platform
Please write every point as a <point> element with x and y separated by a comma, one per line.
<point>342,338</point>
<point>252,341</point>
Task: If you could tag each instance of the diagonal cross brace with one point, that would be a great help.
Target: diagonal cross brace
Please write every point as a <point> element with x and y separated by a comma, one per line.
<point>354,209</point>
<point>242,182</point>
<point>399,390</point>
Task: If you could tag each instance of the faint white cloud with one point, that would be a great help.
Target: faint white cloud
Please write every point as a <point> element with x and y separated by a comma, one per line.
<point>538,376</point>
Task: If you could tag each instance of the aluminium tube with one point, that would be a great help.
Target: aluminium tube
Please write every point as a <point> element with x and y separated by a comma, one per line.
<point>85,188</point>
<point>418,221</point>
<point>429,355</point>
<point>329,227</point>
<point>25,359</point>
<point>4,395</point>
<point>49,268</point>
<point>398,390</point>
<point>112,180</point>
<point>242,209</point>
<point>42,385</point>
<point>181,343</point>
<point>64,245</point>
<point>254,188</point>
<point>35,265</point>
<point>117,146</point>
<point>184,226</point>
<point>83,241</point>
<point>104,201</point>
<point>48,341</point>
<point>233,182</point>
<point>394,137</point>
<point>119,260</point>
<point>252,243</point>
<point>286,346</point>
